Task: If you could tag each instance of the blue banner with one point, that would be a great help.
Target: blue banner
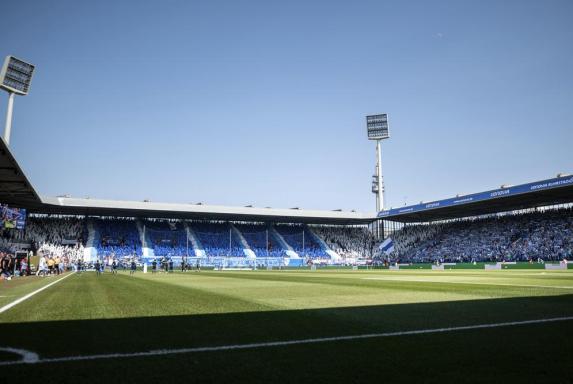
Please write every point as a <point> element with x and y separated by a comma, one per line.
<point>13,217</point>
<point>482,196</point>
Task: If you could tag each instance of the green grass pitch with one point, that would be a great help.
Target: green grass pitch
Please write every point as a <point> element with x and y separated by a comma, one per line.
<point>102,316</point>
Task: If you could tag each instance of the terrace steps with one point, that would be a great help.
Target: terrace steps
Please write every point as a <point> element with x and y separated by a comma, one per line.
<point>284,245</point>
<point>145,241</point>
<point>90,250</point>
<point>246,247</point>
<point>195,242</point>
<point>333,255</point>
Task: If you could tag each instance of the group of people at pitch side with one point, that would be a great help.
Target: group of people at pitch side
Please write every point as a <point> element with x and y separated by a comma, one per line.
<point>186,266</point>
<point>166,265</point>
<point>113,265</point>
<point>51,265</point>
<point>48,265</point>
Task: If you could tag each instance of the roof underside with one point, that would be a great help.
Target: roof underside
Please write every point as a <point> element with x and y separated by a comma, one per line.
<point>15,189</point>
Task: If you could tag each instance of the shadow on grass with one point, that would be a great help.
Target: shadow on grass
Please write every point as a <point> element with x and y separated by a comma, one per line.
<point>446,356</point>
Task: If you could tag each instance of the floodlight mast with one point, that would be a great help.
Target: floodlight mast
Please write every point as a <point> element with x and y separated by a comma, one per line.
<point>15,78</point>
<point>8,125</point>
<point>380,194</point>
<point>377,129</point>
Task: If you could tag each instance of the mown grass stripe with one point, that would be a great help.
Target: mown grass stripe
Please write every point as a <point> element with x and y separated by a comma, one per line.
<point>26,297</point>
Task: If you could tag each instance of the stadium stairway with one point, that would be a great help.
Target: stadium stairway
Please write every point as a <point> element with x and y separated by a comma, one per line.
<point>246,247</point>
<point>195,242</point>
<point>147,251</point>
<point>90,250</point>
<point>284,245</point>
<point>333,255</point>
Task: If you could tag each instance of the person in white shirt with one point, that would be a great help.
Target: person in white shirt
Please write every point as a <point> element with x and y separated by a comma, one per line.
<point>42,267</point>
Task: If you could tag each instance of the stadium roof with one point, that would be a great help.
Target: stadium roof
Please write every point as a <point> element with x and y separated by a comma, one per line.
<point>65,205</point>
<point>554,191</point>
<point>17,191</point>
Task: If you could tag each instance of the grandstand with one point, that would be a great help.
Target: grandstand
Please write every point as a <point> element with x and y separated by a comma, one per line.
<point>545,235</point>
<point>515,223</point>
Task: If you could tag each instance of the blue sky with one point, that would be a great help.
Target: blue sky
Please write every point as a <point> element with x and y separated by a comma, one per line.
<point>263,102</point>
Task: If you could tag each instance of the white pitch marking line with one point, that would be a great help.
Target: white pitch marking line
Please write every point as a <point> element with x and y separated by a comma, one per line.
<point>27,356</point>
<point>16,302</point>
<point>161,352</point>
<point>466,282</point>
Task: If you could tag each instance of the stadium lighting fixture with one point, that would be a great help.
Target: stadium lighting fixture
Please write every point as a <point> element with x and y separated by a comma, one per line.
<point>377,129</point>
<point>15,78</point>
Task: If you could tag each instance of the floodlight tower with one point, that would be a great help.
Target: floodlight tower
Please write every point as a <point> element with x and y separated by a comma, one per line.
<point>377,129</point>
<point>15,78</point>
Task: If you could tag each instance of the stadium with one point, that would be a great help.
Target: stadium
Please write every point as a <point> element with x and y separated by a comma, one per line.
<point>474,287</point>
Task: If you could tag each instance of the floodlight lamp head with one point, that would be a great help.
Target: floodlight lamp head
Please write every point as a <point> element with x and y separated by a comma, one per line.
<point>377,127</point>
<point>16,75</point>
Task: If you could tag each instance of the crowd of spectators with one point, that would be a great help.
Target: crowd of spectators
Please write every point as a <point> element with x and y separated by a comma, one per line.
<point>70,253</point>
<point>542,234</point>
<point>348,242</point>
<point>54,230</point>
<point>545,235</point>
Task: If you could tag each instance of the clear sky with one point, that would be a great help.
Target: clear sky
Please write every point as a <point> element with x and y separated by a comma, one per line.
<point>263,102</point>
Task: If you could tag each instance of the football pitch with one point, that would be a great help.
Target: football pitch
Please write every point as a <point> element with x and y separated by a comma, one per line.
<point>324,326</point>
